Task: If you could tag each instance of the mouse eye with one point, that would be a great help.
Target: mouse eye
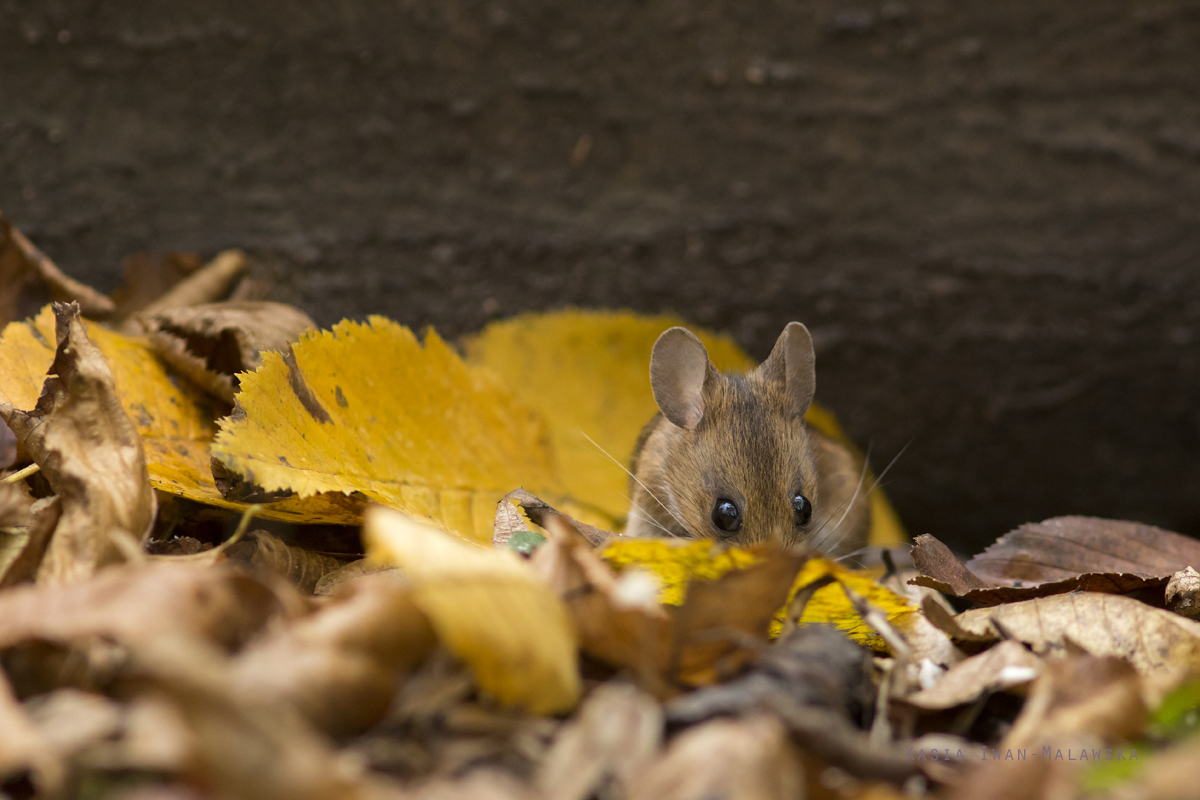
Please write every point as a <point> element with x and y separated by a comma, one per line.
<point>726,516</point>
<point>801,510</point>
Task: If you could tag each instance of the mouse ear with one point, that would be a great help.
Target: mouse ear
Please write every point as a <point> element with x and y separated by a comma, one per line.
<point>678,367</point>
<point>793,363</point>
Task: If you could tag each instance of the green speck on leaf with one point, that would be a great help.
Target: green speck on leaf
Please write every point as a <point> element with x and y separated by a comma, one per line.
<point>525,542</point>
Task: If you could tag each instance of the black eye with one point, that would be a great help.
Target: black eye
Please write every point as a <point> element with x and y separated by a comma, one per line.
<point>725,515</point>
<point>801,510</point>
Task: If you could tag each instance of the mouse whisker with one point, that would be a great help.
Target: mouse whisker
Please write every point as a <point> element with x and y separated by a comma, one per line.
<point>862,476</point>
<point>645,517</point>
<point>874,485</point>
<point>635,477</point>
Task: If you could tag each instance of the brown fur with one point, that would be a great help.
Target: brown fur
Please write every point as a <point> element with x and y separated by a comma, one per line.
<point>751,446</point>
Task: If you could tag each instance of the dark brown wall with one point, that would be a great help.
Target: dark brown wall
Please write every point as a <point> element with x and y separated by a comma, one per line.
<point>987,212</point>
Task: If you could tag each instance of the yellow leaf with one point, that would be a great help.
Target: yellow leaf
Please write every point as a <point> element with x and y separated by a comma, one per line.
<point>173,417</point>
<point>367,408</point>
<point>588,374</point>
<point>830,604</point>
<point>488,607</point>
<point>677,563</point>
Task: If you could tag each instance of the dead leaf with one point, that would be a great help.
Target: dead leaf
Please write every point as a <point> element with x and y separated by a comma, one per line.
<point>212,343</point>
<point>616,733</point>
<point>1003,666</point>
<point>1064,547</point>
<point>366,408</point>
<point>488,607</point>
<point>749,759</point>
<point>24,548</point>
<point>27,764</point>
<point>1183,593</point>
<point>89,451</point>
<point>262,551</point>
<point>70,721</point>
<point>137,602</point>
<point>340,665</point>
<point>945,573</point>
<point>148,276</point>
<point>19,257</point>
<point>174,419</point>
<point>206,285</point>
<point>246,747</point>
<point>1162,646</point>
<point>482,784</point>
<point>330,582</point>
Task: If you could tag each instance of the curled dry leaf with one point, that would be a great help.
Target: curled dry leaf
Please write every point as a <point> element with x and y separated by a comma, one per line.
<point>90,452</point>
<point>1162,646</point>
<point>340,665</point>
<point>246,747</point>
<point>19,259</point>
<point>174,419</point>
<point>1076,709</point>
<point>748,759</point>
<point>147,277</point>
<point>25,547</point>
<point>26,760</point>
<point>616,733</point>
<point>488,607</point>
<point>1003,666</point>
<point>942,571</point>
<point>262,551</point>
<point>212,343</point>
<point>134,603</point>
<point>1183,593</point>
<point>206,285</point>
<point>367,408</point>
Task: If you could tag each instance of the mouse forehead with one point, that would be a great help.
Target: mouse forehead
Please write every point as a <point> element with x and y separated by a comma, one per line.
<point>752,447</point>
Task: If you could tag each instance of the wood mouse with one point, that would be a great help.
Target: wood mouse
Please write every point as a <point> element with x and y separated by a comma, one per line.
<point>729,457</point>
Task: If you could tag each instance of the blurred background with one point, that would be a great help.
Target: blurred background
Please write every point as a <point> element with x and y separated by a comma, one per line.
<point>986,212</point>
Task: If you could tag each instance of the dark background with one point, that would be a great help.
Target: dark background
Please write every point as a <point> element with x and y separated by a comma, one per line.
<point>986,212</point>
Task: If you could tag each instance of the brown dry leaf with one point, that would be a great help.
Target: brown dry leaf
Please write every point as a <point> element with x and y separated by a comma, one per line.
<point>942,571</point>
<point>1076,708</point>
<point>1183,593</point>
<point>148,276</point>
<point>27,763</point>
<point>617,732</point>
<point>330,583</point>
<point>89,451</point>
<point>134,603</point>
<point>244,746</point>
<point>748,759</point>
<point>262,551</point>
<point>488,607</point>
<point>1003,666</point>
<point>70,721</point>
<point>621,621</point>
<point>1162,646</point>
<point>211,343</point>
<point>24,548</point>
<point>1063,547</point>
<point>481,784</point>
<point>20,259</point>
<point>206,285</point>
<point>340,665</point>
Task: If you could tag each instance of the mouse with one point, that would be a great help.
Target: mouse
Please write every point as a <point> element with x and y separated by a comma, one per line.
<point>729,457</point>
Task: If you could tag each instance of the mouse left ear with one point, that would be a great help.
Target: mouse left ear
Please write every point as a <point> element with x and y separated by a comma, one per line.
<point>679,368</point>
<point>793,363</point>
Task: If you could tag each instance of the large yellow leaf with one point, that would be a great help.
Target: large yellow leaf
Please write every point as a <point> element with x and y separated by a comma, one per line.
<point>489,608</point>
<point>588,374</point>
<point>367,408</point>
<point>173,417</point>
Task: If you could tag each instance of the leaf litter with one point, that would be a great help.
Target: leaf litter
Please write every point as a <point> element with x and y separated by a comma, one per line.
<point>501,639</point>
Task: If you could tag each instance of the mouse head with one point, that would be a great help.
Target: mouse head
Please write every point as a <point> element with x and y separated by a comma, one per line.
<point>736,463</point>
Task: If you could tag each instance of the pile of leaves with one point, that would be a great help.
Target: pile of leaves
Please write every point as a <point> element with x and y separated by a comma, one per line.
<point>194,475</point>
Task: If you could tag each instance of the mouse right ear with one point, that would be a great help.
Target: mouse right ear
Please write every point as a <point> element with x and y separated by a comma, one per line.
<point>678,367</point>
